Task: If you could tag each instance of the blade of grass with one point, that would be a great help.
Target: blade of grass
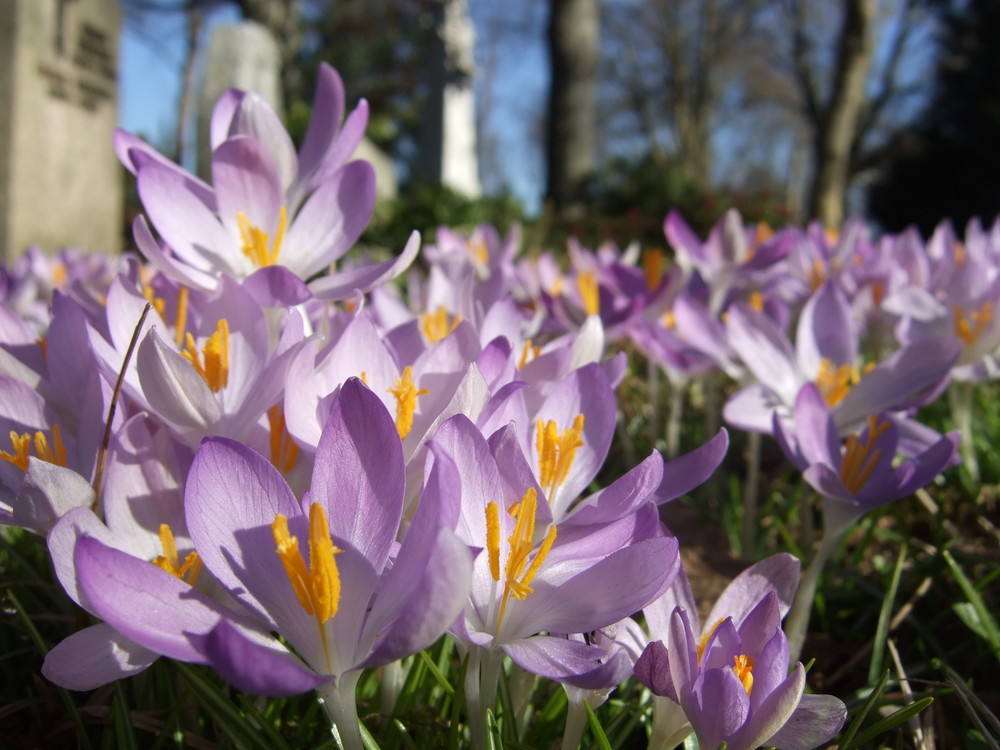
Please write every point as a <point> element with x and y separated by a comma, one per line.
<point>884,618</point>
<point>972,594</point>
<point>595,728</point>
<point>230,720</point>
<point>893,720</point>
<point>124,731</point>
<point>855,725</point>
<point>64,696</point>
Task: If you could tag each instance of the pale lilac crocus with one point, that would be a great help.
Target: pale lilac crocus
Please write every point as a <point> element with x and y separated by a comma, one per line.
<point>533,578</point>
<point>729,680</point>
<point>852,477</point>
<point>271,216</point>
<point>358,600</point>
<point>826,352</point>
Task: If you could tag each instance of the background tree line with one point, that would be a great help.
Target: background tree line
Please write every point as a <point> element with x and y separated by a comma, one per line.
<point>790,110</point>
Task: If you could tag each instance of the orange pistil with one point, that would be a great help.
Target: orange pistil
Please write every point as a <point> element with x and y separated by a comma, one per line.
<point>517,580</point>
<point>587,284</point>
<point>860,458</point>
<point>21,445</point>
<point>743,667</point>
<point>169,561</point>
<point>284,451</point>
<point>652,266</point>
<point>438,324</point>
<point>836,382</point>
<point>556,451</point>
<point>255,240</point>
<point>970,327</point>
<point>212,362</point>
<point>406,394</point>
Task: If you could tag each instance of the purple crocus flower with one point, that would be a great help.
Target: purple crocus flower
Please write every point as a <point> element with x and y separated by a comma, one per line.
<point>272,217</point>
<point>357,600</point>
<point>731,678</point>
<point>860,472</point>
<point>826,353</point>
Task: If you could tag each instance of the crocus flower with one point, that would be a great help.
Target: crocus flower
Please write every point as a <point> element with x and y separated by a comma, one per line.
<point>528,583</point>
<point>357,600</point>
<point>731,678</point>
<point>863,470</point>
<point>826,353</point>
<point>271,217</point>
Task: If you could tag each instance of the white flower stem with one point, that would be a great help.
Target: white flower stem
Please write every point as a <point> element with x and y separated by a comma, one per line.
<point>797,623</point>
<point>576,721</point>
<point>960,397</point>
<point>675,418</point>
<point>339,701</point>
<point>748,540</point>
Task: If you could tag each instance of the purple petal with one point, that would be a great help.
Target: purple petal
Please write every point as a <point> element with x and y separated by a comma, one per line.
<point>359,473</point>
<point>93,657</point>
<point>276,286</point>
<point>254,668</point>
<point>777,573</point>
<point>814,722</point>
<point>684,473</point>
<point>555,658</point>
<point>143,602</point>
<point>826,330</point>
<point>424,593</point>
<point>718,707</point>
<point>232,497</point>
<point>653,670</point>
<point>343,284</point>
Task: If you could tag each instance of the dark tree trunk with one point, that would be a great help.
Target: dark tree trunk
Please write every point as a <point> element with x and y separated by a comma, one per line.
<point>574,27</point>
<point>837,126</point>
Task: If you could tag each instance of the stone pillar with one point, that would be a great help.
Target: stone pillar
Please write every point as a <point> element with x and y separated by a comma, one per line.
<point>242,55</point>
<point>60,182</point>
<point>448,139</point>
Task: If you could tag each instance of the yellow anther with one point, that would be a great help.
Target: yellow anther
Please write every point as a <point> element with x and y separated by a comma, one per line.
<point>480,253</point>
<point>557,286</point>
<point>43,344</point>
<point>284,451</point>
<point>669,320</point>
<point>518,574</point>
<point>817,274</point>
<point>212,362</point>
<point>364,377</point>
<point>528,353</point>
<point>970,327</point>
<point>556,452</point>
<point>493,539</point>
<point>836,382</point>
<point>180,318</point>
<point>757,301</point>
<point>743,667</point>
<point>159,304</point>
<point>438,324</point>
<point>188,570</point>
<point>255,240</point>
<point>652,266</point>
<point>59,274</point>
<point>860,458</point>
<point>406,401</point>
<point>586,282</point>
<point>762,233</point>
<point>316,586</point>
<point>21,445</point>
<point>960,254</point>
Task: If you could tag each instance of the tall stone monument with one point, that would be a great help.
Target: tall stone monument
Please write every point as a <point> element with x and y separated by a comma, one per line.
<point>60,182</point>
<point>448,137</point>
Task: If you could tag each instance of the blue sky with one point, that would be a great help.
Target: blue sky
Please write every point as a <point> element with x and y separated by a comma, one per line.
<point>151,58</point>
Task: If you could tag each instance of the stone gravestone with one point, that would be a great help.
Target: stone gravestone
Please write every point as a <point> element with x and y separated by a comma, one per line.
<point>245,56</point>
<point>448,136</point>
<point>60,182</point>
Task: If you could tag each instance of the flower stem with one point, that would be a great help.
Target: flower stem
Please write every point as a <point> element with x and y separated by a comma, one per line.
<point>797,623</point>
<point>960,399</point>
<point>339,701</point>
<point>748,540</point>
<point>576,722</point>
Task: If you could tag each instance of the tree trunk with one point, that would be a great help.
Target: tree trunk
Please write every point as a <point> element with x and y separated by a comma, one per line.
<point>839,121</point>
<point>574,27</point>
